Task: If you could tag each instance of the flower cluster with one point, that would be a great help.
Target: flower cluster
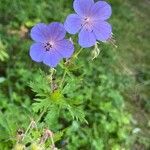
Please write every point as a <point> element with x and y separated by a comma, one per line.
<point>90,21</point>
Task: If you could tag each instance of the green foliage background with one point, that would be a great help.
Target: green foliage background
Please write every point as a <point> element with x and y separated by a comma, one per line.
<point>110,92</point>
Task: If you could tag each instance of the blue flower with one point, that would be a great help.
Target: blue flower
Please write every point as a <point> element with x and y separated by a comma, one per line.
<point>90,22</point>
<point>50,46</point>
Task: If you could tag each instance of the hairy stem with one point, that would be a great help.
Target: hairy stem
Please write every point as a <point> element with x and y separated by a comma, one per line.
<point>63,78</point>
<point>52,71</point>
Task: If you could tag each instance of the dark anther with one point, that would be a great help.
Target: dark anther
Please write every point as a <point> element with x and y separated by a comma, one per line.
<point>47,49</point>
<point>47,46</point>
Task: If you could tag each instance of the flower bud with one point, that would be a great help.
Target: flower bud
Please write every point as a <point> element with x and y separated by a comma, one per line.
<point>19,147</point>
<point>49,133</point>
<point>95,52</point>
<point>35,146</point>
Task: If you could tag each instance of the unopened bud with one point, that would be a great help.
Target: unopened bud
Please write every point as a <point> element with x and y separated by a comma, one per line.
<point>19,147</point>
<point>49,133</point>
<point>33,124</point>
<point>95,52</point>
<point>35,146</point>
<point>46,135</point>
<point>20,134</point>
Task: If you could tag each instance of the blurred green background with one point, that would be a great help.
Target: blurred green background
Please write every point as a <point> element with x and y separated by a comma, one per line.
<point>116,84</point>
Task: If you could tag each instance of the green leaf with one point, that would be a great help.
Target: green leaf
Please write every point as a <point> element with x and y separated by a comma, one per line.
<point>77,113</point>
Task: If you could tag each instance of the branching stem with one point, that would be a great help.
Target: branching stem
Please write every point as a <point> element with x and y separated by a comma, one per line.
<point>27,130</point>
<point>76,55</point>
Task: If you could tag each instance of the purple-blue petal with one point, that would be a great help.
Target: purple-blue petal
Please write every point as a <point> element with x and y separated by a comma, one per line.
<point>39,32</point>
<point>37,52</point>
<point>56,31</point>
<point>65,48</point>
<point>52,58</point>
<point>86,38</point>
<point>101,10</point>
<point>82,7</point>
<point>102,30</point>
<point>73,23</point>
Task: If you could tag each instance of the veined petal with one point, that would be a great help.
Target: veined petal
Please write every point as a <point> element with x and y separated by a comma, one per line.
<point>102,30</point>
<point>86,38</point>
<point>65,48</point>
<point>37,52</point>
<point>52,58</point>
<point>56,31</point>
<point>101,10</point>
<point>82,7</point>
<point>39,32</point>
<point>73,23</point>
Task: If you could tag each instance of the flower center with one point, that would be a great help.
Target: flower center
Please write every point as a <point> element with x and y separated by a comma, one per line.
<point>87,20</point>
<point>87,23</point>
<point>48,46</point>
